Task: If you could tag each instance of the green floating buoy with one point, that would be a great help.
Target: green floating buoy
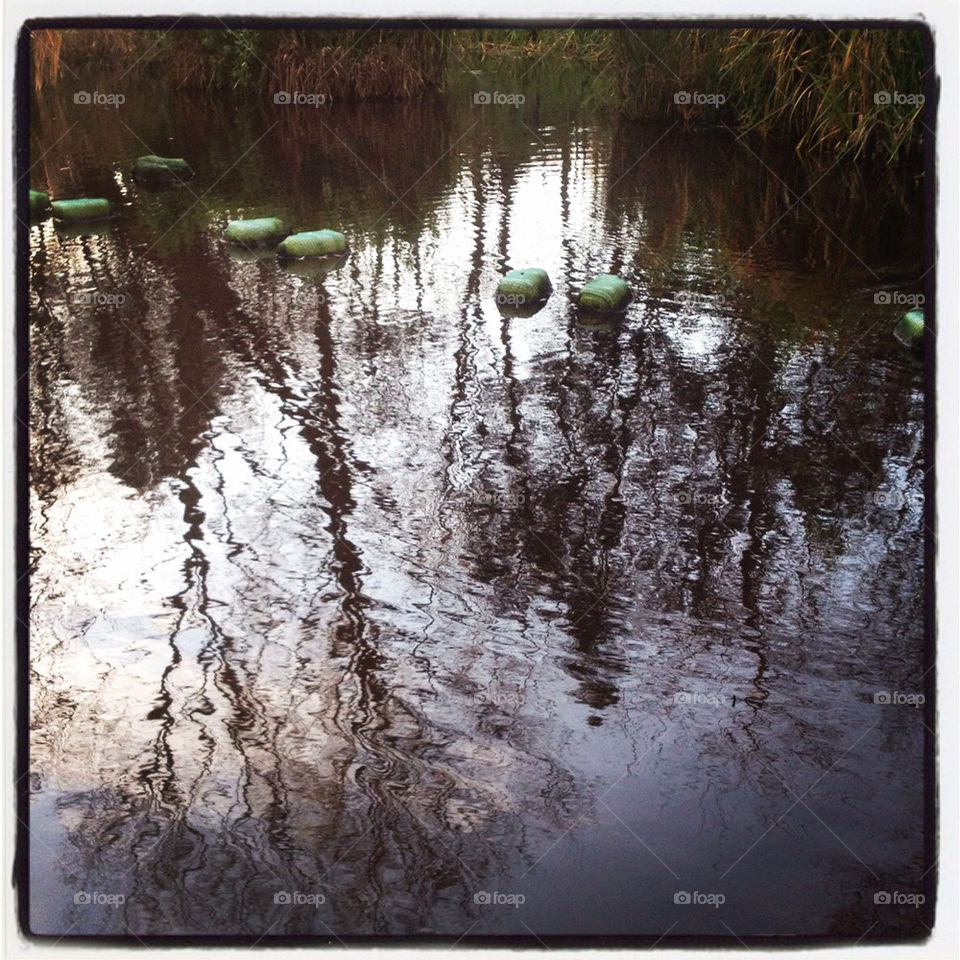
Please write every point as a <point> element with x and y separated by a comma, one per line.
<point>262,232</point>
<point>909,328</point>
<point>39,201</point>
<point>152,169</point>
<point>76,211</point>
<point>525,287</point>
<point>313,243</point>
<point>607,293</point>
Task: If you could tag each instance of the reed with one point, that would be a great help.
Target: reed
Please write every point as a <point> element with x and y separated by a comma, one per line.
<point>580,44</point>
<point>827,87</point>
<point>387,63</point>
<point>45,50</point>
<point>381,64</point>
<point>821,89</point>
<point>818,88</point>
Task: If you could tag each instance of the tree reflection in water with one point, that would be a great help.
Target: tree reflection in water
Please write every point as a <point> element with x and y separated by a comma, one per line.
<point>349,586</point>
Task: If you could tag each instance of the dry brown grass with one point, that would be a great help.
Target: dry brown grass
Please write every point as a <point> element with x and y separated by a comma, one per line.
<point>344,64</point>
<point>45,56</point>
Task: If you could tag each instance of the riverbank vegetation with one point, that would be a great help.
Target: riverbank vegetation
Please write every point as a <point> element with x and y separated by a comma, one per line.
<point>342,64</point>
<point>854,92</point>
<point>826,91</point>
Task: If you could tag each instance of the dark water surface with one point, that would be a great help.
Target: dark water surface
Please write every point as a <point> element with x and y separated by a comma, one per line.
<point>356,605</point>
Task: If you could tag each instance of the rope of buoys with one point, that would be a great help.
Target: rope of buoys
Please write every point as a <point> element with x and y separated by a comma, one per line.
<point>520,292</point>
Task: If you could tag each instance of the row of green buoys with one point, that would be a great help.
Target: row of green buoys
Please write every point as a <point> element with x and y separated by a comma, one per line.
<point>150,169</point>
<point>249,235</point>
<point>310,252</point>
<point>520,292</point>
<point>69,211</point>
<point>524,291</point>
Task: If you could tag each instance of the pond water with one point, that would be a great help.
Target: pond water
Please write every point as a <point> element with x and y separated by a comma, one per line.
<point>358,608</point>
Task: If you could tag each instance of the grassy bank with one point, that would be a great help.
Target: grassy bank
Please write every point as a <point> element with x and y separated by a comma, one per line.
<point>844,92</point>
<point>824,91</point>
<point>339,64</point>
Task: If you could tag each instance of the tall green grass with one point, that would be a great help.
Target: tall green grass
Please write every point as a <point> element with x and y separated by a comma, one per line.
<point>822,87</point>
